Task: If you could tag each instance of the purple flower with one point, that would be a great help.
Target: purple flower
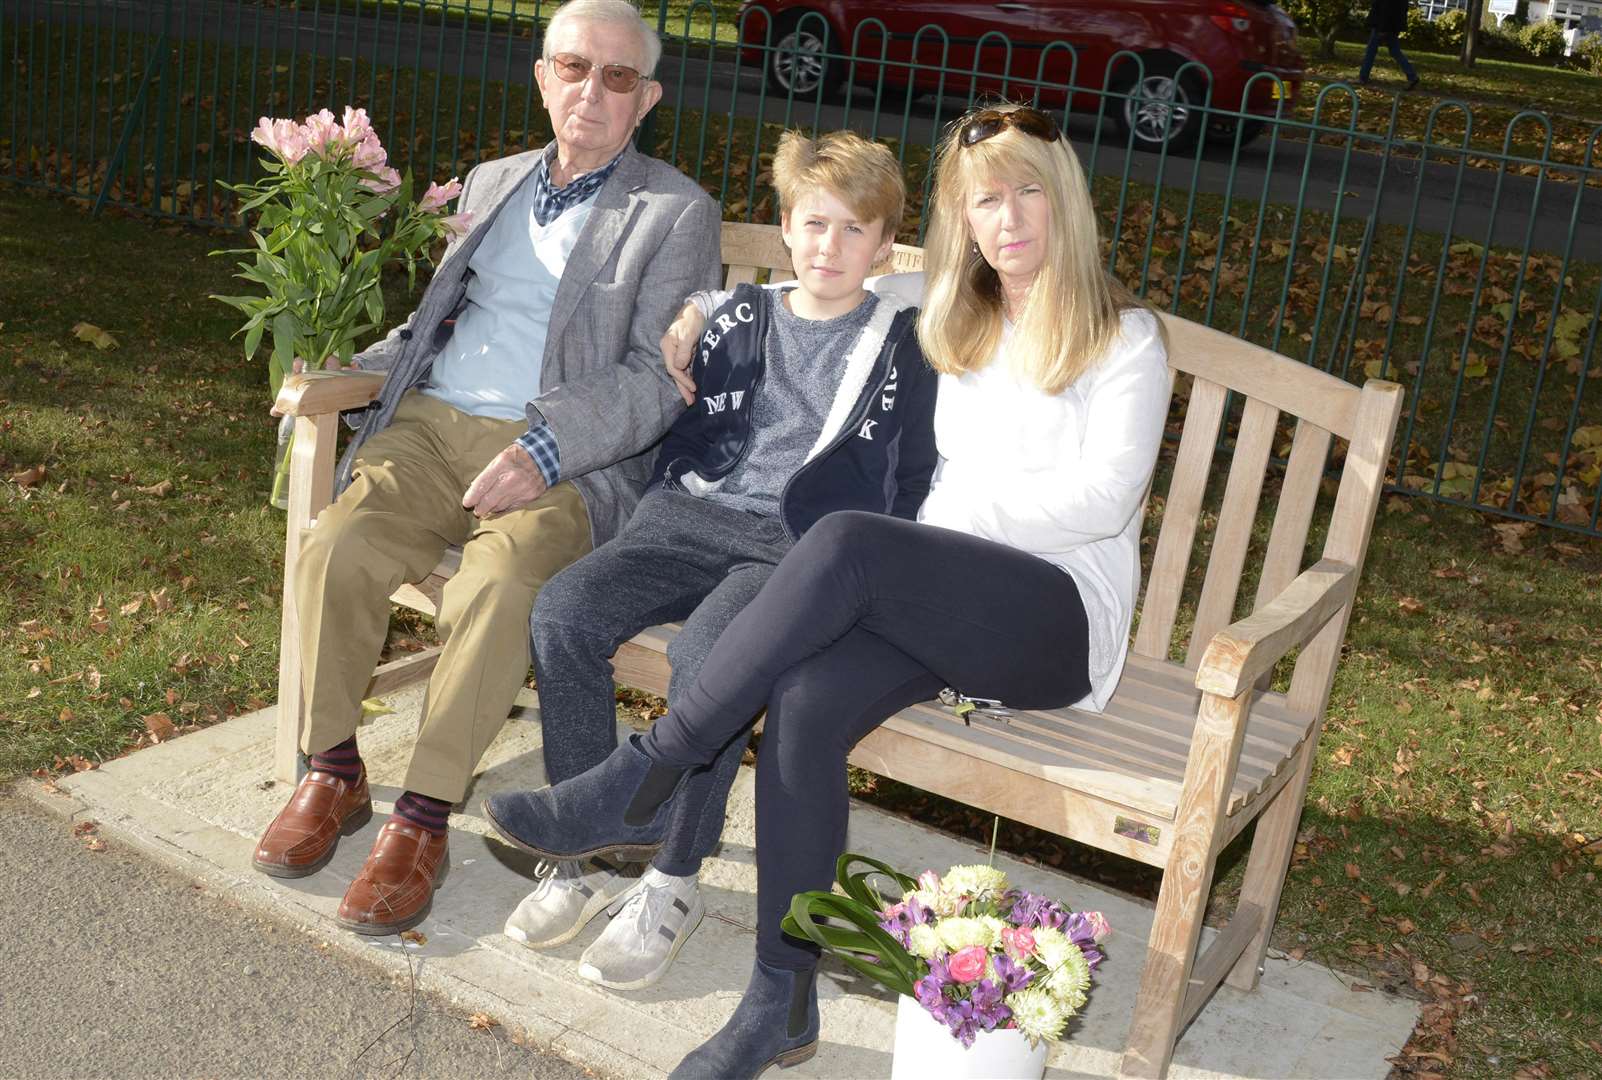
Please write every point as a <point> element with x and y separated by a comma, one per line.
<point>1081,929</point>
<point>931,994</point>
<point>962,1022</point>
<point>1033,910</point>
<point>988,1010</point>
<point>1013,975</point>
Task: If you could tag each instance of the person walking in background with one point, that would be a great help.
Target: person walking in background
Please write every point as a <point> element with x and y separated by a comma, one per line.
<point>1386,21</point>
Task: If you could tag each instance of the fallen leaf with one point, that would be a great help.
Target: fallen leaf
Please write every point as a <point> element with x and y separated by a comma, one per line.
<point>94,335</point>
<point>482,1022</point>
<point>374,707</point>
<point>1353,871</point>
<point>1344,755</point>
<point>132,607</point>
<point>80,764</point>
<point>1511,535</point>
<point>29,477</point>
<point>416,937</point>
<point>159,599</point>
<point>91,679</point>
<point>160,726</point>
<point>1405,925</point>
<point>96,844</point>
<point>158,489</point>
<point>85,827</point>
<point>1410,605</point>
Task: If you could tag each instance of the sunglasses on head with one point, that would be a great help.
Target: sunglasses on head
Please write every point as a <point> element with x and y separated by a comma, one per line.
<point>988,122</point>
<point>618,78</point>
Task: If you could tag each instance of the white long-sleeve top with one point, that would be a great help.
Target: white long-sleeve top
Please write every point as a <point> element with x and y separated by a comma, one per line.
<point>1061,476</point>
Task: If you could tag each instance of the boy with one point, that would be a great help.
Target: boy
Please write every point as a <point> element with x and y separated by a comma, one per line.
<point>813,396</point>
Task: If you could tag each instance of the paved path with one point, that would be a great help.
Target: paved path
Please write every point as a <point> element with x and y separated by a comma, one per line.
<point>114,966</point>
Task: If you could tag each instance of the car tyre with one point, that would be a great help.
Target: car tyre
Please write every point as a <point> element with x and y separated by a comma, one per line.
<point>1154,95</point>
<point>799,62</point>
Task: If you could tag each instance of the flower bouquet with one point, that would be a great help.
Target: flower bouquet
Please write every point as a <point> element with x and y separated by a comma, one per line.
<point>966,950</point>
<point>331,214</point>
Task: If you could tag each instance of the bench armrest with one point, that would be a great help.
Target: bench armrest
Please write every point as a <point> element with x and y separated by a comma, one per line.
<point>1243,652</point>
<point>313,393</point>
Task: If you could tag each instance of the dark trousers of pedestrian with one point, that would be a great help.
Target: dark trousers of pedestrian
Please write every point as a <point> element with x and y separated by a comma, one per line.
<point>1391,42</point>
<point>866,615</point>
<point>679,558</point>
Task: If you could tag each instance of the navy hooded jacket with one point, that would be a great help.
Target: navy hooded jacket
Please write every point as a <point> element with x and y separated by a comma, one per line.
<point>878,453</point>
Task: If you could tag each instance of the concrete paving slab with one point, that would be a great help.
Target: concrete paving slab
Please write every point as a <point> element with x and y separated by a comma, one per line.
<point>201,801</point>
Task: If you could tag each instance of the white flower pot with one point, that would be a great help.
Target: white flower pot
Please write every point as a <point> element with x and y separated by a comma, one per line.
<point>926,1049</point>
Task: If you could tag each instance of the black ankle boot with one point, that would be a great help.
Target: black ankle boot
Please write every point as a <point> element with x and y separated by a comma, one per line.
<point>776,1023</point>
<point>620,808</point>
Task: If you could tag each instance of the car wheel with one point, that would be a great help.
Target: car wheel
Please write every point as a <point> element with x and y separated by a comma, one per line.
<point>1161,105</point>
<point>799,62</point>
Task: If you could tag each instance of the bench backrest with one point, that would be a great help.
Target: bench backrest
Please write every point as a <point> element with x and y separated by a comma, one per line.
<point>1257,393</point>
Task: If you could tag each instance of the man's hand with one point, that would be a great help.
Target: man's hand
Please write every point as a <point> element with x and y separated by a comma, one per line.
<point>678,349</point>
<point>509,482</point>
<point>297,365</point>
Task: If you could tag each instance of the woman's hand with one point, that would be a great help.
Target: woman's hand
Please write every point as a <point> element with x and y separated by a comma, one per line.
<point>678,349</point>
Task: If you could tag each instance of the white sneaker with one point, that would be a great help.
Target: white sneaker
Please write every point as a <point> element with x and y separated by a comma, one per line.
<point>645,934</point>
<point>569,894</point>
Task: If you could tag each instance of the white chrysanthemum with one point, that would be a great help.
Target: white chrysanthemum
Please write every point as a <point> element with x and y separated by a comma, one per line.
<point>924,942</point>
<point>1068,974</point>
<point>1038,1015</point>
<point>937,900</point>
<point>959,933</point>
<point>976,882</point>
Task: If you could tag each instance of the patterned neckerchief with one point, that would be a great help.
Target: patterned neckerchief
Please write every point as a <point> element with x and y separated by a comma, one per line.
<point>549,201</point>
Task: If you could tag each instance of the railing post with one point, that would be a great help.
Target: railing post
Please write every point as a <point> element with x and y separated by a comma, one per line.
<point>155,62</point>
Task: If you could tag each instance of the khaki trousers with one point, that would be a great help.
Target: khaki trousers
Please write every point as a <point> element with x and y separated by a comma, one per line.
<point>401,511</point>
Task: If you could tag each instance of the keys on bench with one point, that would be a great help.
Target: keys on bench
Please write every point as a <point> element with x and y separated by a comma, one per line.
<point>964,706</point>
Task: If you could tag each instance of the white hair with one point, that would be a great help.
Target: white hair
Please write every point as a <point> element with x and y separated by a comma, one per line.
<point>620,12</point>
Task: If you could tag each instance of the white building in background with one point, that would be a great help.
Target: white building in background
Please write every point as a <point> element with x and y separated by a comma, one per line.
<point>1578,18</point>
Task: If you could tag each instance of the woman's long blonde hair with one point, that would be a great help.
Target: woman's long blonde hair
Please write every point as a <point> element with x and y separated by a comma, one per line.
<point>1073,311</point>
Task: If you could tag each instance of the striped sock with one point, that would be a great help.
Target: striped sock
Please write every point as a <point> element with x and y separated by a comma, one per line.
<point>342,761</point>
<point>424,812</point>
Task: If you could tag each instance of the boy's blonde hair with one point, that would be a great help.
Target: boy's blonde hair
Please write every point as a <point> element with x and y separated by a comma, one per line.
<point>1074,308</point>
<point>862,174</point>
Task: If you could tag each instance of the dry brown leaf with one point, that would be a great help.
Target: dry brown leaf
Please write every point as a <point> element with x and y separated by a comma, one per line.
<point>160,726</point>
<point>1511,535</point>
<point>1353,871</point>
<point>160,489</point>
<point>132,607</point>
<point>482,1022</point>
<point>416,937</point>
<point>30,477</point>
<point>1404,925</point>
<point>80,764</point>
<point>95,844</point>
<point>160,601</point>
<point>91,679</point>
<point>85,827</point>
<point>1410,605</point>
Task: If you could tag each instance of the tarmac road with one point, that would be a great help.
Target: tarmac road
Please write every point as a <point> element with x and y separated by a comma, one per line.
<point>114,966</point>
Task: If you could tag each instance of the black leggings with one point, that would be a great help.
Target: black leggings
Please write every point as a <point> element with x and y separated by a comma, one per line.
<point>866,615</point>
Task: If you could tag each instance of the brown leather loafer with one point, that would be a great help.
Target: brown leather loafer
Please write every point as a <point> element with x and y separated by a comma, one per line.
<point>395,888</point>
<point>301,839</point>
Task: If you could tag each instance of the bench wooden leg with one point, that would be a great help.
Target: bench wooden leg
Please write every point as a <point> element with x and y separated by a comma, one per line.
<point>1272,846</point>
<point>1160,1006</point>
<point>311,488</point>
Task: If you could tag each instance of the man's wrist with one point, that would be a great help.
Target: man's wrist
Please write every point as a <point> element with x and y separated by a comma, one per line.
<point>540,443</point>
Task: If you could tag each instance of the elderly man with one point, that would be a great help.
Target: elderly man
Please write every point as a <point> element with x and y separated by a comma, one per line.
<point>522,398</point>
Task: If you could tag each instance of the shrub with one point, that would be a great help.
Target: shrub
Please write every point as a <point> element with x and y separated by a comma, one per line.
<point>1543,40</point>
<point>1421,33</point>
<point>1449,30</point>
<point>1588,52</point>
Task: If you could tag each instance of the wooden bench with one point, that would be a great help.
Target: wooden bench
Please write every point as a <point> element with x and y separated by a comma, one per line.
<point>1193,746</point>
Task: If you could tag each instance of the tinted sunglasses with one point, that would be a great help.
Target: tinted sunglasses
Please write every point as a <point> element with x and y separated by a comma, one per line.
<point>618,78</point>
<point>986,123</point>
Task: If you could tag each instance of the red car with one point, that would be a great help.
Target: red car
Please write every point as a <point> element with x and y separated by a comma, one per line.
<point>1012,49</point>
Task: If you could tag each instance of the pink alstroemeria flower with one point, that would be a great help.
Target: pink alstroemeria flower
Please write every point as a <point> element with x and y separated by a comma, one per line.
<point>437,195</point>
<point>283,138</point>
<point>323,133</point>
<point>384,179</point>
<point>369,153</point>
<point>458,225</point>
<point>357,126</point>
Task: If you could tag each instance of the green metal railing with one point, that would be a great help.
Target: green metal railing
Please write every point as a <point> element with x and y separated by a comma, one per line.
<point>1457,253</point>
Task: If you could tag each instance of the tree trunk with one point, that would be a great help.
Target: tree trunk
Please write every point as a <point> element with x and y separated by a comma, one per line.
<point>1326,43</point>
<point>1471,32</point>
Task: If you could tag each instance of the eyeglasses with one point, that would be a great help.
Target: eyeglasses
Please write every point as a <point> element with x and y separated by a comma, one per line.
<point>618,78</point>
<point>988,122</point>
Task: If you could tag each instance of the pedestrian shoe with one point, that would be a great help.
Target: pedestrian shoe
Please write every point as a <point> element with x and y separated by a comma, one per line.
<point>301,839</point>
<point>776,1023</point>
<point>619,808</point>
<point>649,926</point>
<point>1412,84</point>
<point>568,896</point>
<point>395,888</point>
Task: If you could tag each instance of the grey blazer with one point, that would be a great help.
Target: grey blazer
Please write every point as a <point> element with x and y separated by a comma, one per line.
<point>651,240</point>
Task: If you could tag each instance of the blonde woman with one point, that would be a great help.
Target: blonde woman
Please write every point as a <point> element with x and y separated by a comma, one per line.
<point>1016,583</point>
